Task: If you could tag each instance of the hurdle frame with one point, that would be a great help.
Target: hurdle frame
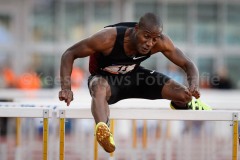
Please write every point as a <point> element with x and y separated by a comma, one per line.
<point>117,114</point>
<point>45,133</point>
<point>62,134</point>
<point>158,114</point>
<point>29,112</point>
<point>235,137</point>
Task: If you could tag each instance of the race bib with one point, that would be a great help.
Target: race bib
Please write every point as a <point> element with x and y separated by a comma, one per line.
<point>119,69</point>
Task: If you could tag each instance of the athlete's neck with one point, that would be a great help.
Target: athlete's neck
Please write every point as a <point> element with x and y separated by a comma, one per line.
<point>129,44</point>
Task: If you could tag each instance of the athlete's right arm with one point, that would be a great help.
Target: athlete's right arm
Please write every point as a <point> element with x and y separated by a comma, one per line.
<point>101,42</point>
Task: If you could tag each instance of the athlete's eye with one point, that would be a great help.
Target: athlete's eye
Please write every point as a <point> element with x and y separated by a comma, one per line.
<point>146,36</point>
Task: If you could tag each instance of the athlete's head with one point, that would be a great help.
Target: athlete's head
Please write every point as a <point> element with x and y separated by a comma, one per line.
<point>147,32</point>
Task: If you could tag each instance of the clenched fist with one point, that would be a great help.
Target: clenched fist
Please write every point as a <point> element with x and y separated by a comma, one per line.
<point>66,95</point>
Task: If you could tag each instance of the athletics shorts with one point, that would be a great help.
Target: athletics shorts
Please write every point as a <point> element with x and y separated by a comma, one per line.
<point>140,83</point>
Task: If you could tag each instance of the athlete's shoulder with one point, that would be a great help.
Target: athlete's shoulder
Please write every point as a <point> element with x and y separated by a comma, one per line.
<point>99,42</point>
<point>164,43</point>
<point>103,39</point>
<point>165,38</point>
<point>106,34</point>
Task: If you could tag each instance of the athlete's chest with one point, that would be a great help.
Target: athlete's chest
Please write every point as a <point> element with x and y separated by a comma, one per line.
<point>122,64</point>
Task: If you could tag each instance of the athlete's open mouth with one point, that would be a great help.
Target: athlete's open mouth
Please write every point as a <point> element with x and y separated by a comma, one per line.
<point>145,50</point>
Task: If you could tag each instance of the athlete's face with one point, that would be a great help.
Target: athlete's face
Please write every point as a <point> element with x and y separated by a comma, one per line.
<point>146,38</point>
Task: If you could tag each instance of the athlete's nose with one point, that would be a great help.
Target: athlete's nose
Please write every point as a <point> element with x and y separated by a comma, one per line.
<point>149,43</point>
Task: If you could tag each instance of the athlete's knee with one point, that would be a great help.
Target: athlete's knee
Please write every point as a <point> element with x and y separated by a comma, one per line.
<point>99,87</point>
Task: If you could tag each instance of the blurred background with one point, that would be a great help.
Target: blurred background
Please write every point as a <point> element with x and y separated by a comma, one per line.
<point>35,33</point>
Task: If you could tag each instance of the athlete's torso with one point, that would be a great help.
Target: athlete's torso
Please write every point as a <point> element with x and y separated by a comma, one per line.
<point>117,62</point>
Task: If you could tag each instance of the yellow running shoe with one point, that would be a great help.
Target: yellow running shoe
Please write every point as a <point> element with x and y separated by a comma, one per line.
<point>105,137</point>
<point>195,104</point>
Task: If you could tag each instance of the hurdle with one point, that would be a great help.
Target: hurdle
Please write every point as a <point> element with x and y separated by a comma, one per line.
<point>153,114</point>
<point>117,113</point>
<point>18,111</point>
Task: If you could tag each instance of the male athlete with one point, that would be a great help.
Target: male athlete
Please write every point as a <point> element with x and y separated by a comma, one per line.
<point>115,56</point>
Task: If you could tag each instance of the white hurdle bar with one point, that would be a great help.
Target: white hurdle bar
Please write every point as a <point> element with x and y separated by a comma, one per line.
<point>154,114</point>
<point>48,111</point>
<point>13,110</point>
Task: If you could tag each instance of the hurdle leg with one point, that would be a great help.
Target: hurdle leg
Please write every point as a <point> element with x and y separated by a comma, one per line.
<point>159,140</point>
<point>45,134</point>
<point>144,135</point>
<point>134,134</point>
<point>168,141</point>
<point>62,135</point>
<point>18,131</point>
<point>112,131</point>
<point>158,130</point>
<point>134,139</point>
<point>95,150</point>
<point>235,137</point>
<point>18,152</point>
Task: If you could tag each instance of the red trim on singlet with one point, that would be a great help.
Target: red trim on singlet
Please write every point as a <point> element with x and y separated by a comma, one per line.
<point>94,63</point>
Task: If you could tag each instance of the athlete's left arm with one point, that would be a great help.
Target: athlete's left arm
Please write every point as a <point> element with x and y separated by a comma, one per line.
<point>175,55</point>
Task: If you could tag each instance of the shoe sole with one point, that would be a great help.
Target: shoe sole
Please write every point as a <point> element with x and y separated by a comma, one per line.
<point>103,134</point>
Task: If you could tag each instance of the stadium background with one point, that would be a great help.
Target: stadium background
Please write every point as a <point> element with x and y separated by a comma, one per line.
<point>35,33</point>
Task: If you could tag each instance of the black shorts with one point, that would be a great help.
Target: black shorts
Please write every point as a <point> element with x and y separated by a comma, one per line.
<point>140,83</point>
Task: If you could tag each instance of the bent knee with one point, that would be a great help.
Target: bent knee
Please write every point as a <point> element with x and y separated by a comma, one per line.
<point>99,87</point>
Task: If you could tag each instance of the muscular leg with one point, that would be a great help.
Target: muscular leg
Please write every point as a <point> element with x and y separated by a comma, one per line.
<point>177,93</point>
<point>100,92</point>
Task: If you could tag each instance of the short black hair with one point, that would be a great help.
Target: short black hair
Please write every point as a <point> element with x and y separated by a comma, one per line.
<point>150,19</point>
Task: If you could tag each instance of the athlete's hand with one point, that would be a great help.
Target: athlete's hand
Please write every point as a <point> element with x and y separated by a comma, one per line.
<point>66,95</point>
<point>194,90</point>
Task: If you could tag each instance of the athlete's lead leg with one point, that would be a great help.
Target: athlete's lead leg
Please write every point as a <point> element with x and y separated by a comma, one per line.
<point>100,92</point>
